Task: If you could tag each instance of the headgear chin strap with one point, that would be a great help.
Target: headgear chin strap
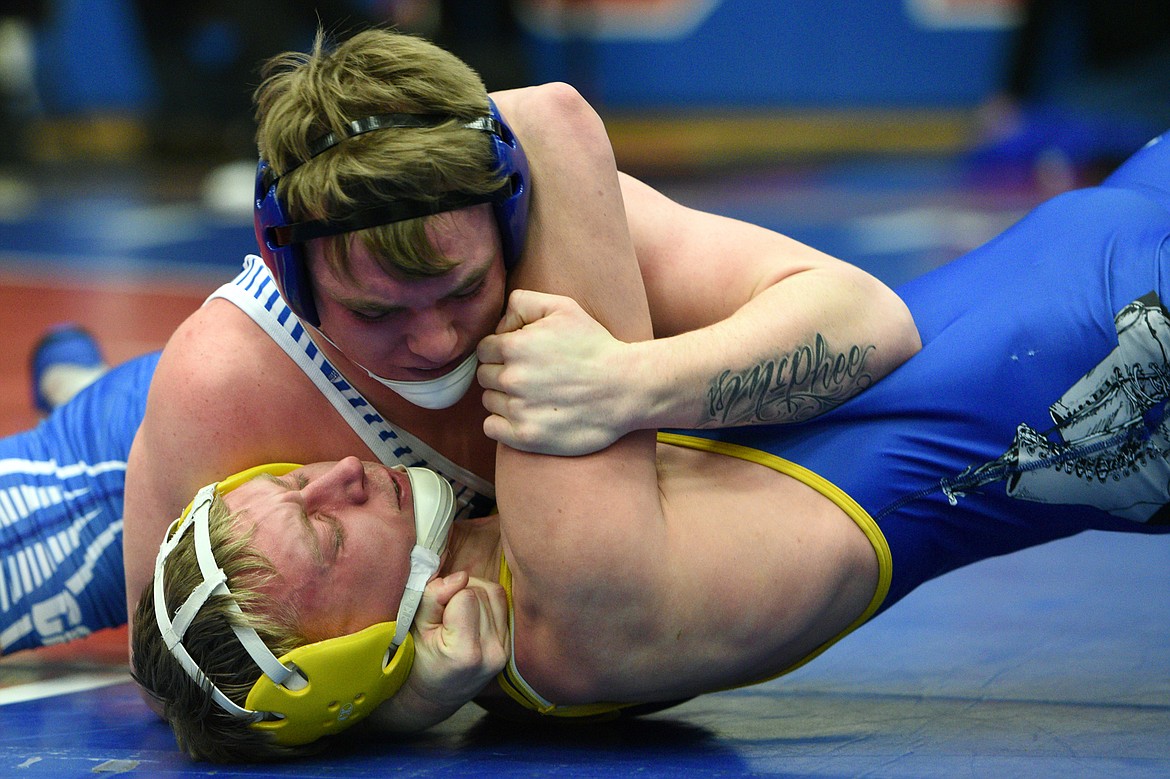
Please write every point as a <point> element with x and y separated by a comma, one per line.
<point>440,392</point>
<point>281,240</point>
<point>434,510</point>
<point>324,687</point>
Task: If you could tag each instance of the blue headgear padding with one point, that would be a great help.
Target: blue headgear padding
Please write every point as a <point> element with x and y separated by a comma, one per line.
<point>286,260</point>
<point>286,263</point>
<point>511,211</point>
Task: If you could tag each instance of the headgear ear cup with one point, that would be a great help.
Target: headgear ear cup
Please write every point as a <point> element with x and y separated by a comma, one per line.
<point>349,676</point>
<point>287,263</point>
<point>512,211</point>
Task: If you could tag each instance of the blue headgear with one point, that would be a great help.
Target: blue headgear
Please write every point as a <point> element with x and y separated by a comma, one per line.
<point>280,239</point>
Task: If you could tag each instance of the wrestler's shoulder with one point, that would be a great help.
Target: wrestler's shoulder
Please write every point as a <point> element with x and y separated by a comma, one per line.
<point>219,359</point>
<point>219,341</point>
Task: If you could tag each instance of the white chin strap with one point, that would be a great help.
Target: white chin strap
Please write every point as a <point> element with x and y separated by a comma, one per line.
<point>434,509</point>
<point>442,392</point>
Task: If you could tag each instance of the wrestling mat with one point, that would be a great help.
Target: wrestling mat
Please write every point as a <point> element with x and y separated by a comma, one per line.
<point>1054,662</point>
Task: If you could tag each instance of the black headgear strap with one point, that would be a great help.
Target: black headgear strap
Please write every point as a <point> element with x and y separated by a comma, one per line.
<point>386,213</point>
<point>393,211</point>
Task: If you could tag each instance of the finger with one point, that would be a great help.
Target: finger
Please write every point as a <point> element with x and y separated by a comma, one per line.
<point>487,620</point>
<point>461,618</point>
<point>490,350</point>
<point>512,318</point>
<point>493,622</point>
<point>488,376</point>
<point>437,595</point>
<point>495,402</point>
<point>499,429</point>
<point>451,584</point>
<point>526,306</point>
<point>495,604</point>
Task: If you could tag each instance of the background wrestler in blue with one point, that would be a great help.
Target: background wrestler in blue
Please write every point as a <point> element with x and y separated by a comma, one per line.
<point>61,487</point>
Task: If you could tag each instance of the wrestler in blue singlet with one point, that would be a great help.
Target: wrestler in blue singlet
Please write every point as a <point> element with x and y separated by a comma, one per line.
<point>1035,409</point>
<point>61,484</point>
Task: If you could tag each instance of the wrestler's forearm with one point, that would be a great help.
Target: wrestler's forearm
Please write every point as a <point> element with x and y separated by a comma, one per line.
<point>799,348</point>
<point>556,381</point>
<point>409,712</point>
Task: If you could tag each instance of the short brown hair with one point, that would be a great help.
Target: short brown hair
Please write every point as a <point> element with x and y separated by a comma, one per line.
<point>202,729</point>
<point>304,96</point>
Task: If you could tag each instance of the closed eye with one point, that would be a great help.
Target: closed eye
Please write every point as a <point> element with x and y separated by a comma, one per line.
<point>470,292</point>
<point>336,535</point>
<point>371,315</point>
<point>472,285</point>
<point>325,547</point>
<point>292,481</point>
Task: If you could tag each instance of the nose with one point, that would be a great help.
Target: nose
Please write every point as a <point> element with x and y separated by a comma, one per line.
<point>343,483</point>
<point>433,336</point>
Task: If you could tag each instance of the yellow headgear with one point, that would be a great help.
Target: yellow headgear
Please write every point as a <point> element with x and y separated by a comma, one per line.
<point>325,687</point>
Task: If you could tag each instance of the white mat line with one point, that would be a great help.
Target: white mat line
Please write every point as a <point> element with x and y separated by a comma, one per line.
<point>64,686</point>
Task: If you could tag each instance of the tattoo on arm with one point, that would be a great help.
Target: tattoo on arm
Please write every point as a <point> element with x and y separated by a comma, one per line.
<point>791,388</point>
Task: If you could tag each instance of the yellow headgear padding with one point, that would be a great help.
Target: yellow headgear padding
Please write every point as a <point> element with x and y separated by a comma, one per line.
<point>347,681</point>
<point>236,479</point>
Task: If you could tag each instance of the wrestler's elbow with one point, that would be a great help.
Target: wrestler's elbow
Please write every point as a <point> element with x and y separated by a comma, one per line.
<point>891,326</point>
<point>559,120</point>
<point>559,102</point>
<point>905,339</point>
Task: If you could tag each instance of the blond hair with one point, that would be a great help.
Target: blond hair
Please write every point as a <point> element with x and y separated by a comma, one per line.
<point>305,96</point>
<point>202,729</point>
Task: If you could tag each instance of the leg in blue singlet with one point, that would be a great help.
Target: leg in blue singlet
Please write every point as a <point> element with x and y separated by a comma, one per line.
<point>61,486</point>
